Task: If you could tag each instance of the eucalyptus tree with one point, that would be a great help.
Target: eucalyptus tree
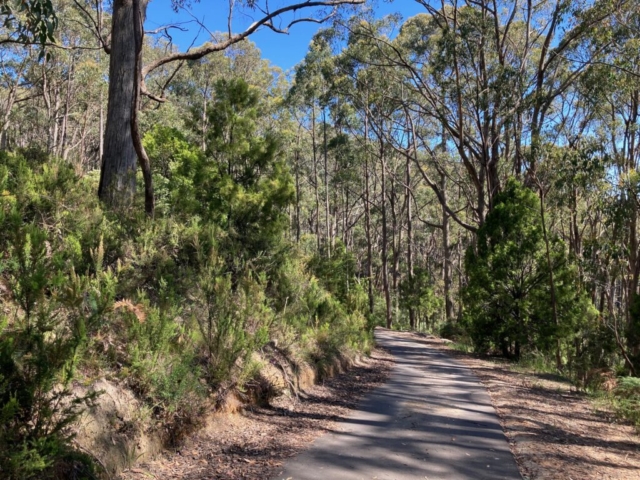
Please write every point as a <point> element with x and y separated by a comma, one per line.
<point>122,145</point>
<point>354,85</point>
<point>310,90</point>
<point>54,101</point>
<point>375,96</point>
<point>610,92</point>
<point>485,70</point>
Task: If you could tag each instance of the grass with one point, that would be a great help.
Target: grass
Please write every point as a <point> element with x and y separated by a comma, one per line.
<point>625,400</point>
<point>462,347</point>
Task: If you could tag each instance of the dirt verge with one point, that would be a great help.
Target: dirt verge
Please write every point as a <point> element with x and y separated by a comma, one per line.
<point>255,443</point>
<point>554,433</point>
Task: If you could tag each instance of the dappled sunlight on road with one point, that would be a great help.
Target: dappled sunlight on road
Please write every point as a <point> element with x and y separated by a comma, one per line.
<point>433,419</point>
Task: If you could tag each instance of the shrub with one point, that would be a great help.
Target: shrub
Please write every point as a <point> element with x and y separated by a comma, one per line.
<point>174,305</point>
<point>626,399</point>
<point>507,297</point>
<point>39,347</point>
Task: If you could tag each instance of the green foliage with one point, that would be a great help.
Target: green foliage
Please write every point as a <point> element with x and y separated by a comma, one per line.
<point>233,322</point>
<point>417,294</point>
<point>240,183</point>
<point>43,339</point>
<point>628,387</point>
<point>507,299</point>
<point>174,307</point>
<point>453,331</point>
<point>337,273</point>
<point>32,21</point>
<point>626,399</point>
<point>169,151</point>
<point>36,405</point>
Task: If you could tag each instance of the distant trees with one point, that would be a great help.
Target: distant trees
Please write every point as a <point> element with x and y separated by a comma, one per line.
<point>455,112</point>
<point>386,153</point>
<point>122,146</point>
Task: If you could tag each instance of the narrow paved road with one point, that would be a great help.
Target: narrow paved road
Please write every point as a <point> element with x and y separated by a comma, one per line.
<point>432,420</point>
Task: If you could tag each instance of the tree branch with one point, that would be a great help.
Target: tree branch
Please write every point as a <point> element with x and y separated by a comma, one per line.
<point>266,21</point>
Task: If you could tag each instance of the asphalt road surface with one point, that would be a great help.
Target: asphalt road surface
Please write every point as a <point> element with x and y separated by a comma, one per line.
<point>431,420</point>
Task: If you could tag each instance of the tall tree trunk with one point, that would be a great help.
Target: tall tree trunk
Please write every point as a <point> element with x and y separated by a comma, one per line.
<point>297,156</point>
<point>633,323</point>
<point>552,285</point>
<point>64,143</point>
<point>412,313</point>
<point>143,158</point>
<point>396,238</point>
<point>446,252</point>
<point>203,119</point>
<point>367,217</point>
<point>119,160</point>
<point>101,126</point>
<point>460,278</point>
<point>326,183</point>
<point>396,245</point>
<point>315,172</point>
<point>385,235</point>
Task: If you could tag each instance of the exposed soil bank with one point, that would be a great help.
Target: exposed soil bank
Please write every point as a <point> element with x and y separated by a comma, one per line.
<point>119,430</point>
<point>255,443</point>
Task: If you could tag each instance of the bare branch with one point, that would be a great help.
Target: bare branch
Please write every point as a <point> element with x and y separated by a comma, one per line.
<point>96,25</point>
<point>164,28</point>
<point>266,21</point>
<point>6,41</point>
<point>147,93</point>
<point>312,20</point>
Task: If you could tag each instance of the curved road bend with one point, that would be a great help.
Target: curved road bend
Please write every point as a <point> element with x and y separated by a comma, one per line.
<point>431,420</point>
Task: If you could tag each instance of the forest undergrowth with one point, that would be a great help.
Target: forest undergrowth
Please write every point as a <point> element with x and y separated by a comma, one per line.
<point>178,223</point>
<point>172,308</point>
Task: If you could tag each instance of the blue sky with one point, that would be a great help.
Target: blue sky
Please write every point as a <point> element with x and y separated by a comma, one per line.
<point>282,50</point>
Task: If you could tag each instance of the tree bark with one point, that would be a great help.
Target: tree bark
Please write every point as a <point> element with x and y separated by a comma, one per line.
<point>119,159</point>
<point>367,217</point>
<point>297,157</point>
<point>412,312</point>
<point>385,236</point>
<point>143,158</point>
<point>552,284</point>
<point>446,252</point>
<point>315,172</point>
<point>326,183</point>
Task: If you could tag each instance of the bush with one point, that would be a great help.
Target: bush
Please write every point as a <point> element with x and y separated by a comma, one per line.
<point>626,400</point>
<point>40,345</point>
<point>452,331</point>
<point>417,295</point>
<point>173,306</point>
<point>36,406</point>
<point>507,298</point>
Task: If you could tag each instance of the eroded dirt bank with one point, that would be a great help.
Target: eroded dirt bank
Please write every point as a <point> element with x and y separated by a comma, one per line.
<point>554,433</point>
<point>255,443</point>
